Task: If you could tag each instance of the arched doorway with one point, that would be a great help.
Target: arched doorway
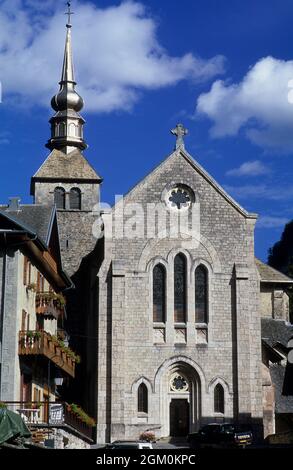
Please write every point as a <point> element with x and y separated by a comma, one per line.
<point>180,392</point>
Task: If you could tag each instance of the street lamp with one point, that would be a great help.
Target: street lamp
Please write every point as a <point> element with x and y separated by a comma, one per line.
<point>58,378</point>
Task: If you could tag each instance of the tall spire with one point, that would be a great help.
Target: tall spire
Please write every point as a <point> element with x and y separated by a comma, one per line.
<point>67,124</point>
<point>67,69</point>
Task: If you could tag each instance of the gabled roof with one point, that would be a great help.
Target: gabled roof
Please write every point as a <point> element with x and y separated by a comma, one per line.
<point>269,274</point>
<point>37,219</point>
<point>59,167</point>
<point>184,154</point>
<point>40,224</point>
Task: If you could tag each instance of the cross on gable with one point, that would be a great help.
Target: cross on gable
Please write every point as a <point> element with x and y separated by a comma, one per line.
<point>180,131</point>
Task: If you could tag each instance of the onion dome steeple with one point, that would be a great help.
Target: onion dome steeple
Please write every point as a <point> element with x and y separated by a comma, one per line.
<point>67,124</point>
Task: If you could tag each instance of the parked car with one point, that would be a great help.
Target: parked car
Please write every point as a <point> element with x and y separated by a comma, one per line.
<point>129,445</point>
<point>220,435</point>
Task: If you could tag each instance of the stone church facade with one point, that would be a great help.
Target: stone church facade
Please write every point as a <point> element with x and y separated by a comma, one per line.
<point>207,342</point>
<point>169,323</point>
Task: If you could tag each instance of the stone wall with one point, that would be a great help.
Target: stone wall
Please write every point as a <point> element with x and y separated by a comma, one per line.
<point>66,440</point>
<point>274,302</point>
<point>10,373</point>
<point>231,355</point>
<point>90,193</point>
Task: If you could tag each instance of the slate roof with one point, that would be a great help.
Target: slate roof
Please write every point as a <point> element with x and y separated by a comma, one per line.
<point>276,331</point>
<point>61,166</point>
<point>269,274</point>
<point>36,218</point>
<point>282,377</point>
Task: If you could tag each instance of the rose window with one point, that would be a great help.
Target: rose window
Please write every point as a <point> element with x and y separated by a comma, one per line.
<point>178,383</point>
<point>179,198</point>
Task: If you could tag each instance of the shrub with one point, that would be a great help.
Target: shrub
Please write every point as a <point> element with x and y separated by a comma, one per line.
<point>81,414</point>
<point>148,436</point>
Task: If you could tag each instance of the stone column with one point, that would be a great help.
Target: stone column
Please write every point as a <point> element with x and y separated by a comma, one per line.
<point>242,337</point>
<point>247,333</point>
<point>10,375</point>
<point>118,351</point>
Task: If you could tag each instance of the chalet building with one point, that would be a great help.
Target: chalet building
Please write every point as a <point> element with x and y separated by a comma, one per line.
<point>35,356</point>
<point>174,322</point>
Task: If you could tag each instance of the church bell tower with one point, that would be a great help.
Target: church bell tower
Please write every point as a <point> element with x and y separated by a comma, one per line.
<point>66,178</point>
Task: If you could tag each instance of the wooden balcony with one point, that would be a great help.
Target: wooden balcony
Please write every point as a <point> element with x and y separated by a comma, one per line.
<point>38,419</point>
<point>41,343</point>
<point>48,306</point>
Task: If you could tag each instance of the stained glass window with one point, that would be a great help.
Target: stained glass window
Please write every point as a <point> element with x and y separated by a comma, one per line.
<point>219,399</point>
<point>75,198</point>
<point>142,398</point>
<point>159,293</point>
<point>201,295</point>
<point>179,198</point>
<point>59,198</point>
<point>180,289</point>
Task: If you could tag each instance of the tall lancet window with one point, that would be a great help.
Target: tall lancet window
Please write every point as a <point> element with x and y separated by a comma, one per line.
<point>59,198</point>
<point>75,198</point>
<point>142,399</point>
<point>180,289</point>
<point>201,294</point>
<point>219,399</point>
<point>159,293</point>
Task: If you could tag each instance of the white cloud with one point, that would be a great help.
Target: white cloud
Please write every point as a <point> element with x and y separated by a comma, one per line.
<point>261,191</point>
<point>271,222</point>
<point>116,51</point>
<point>260,103</point>
<point>253,168</point>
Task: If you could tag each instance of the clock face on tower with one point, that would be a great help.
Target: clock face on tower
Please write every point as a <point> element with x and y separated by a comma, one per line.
<point>179,197</point>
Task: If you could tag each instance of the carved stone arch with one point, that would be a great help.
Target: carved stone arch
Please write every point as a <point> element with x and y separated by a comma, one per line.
<point>157,260</point>
<point>221,381</point>
<point>168,363</point>
<point>60,197</point>
<point>136,384</point>
<point>176,251</point>
<point>200,261</point>
<point>148,249</point>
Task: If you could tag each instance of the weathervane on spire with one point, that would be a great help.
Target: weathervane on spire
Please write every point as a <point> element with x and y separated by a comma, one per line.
<point>69,13</point>
<point>180,133</point>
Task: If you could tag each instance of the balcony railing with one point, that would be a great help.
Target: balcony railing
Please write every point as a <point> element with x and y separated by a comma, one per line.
<point>42,343</point>
<point>48,305</point>
<point>36,416</point>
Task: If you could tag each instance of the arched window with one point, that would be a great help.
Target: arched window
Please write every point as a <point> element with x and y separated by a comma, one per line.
<point>180,289</point>
<point>59,198</point>
<point>142,398</point>
<point>72,129</point>
<point>219,399</point>
<point>159,293</point>
<point>62,129</point>
<point>201,294</point>
<point>75,198</point>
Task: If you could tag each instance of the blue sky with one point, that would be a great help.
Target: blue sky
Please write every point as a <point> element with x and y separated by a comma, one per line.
<point>220,67</point>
